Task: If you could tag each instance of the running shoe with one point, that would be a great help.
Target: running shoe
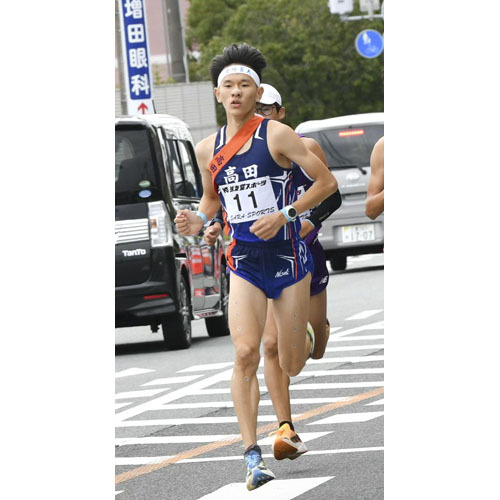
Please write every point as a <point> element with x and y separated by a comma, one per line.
<point>287,444</point>
<point>310,332</point>
<point>257,472</point>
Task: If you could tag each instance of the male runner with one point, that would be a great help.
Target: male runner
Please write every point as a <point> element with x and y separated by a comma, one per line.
<point>375,200</point>
<point>288,443</point>
<point>267,258</point>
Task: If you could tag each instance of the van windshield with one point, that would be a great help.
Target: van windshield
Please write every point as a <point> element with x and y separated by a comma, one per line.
<point>135,176</point>
<point>348,146</point>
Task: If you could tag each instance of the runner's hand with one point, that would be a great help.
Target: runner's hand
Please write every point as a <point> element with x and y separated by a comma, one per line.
<point>268,226</point>
<point>188,222</point>
<point>212,233</point>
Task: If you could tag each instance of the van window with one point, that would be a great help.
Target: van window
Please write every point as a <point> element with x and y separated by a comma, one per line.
<point>348,146</point>
<point>134,166</point>
<point>182,175</point>
<point>188,166</point>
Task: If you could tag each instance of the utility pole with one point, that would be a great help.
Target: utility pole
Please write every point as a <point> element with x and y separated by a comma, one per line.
<point>174,37</point>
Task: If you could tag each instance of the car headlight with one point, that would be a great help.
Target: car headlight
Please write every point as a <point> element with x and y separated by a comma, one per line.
<point>160,226</point>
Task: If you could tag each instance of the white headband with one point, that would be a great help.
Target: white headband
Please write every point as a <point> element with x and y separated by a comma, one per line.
<point>238,68</point>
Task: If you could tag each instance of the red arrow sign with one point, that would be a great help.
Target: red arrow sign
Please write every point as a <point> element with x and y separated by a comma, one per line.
<point>143,108</point>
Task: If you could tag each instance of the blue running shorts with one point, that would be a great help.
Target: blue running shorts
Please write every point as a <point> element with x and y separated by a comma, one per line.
<point>321,276</point>
<point>270,266</point>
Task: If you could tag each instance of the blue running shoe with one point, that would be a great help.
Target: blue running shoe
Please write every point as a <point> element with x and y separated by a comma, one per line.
<point>257,472</point>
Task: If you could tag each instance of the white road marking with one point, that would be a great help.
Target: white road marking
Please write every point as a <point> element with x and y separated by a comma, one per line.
<point>353,347</point>
<point>267,441</point>
<point>230,404</point>
<point>140,394</point>
<point>118,492</point>
<point>328,373</point>
<point>360,337</point>
<point>172,380</point>
<point>207,438</point>
<point>149,460</point>
<point>132,371</point>
<point>192,421</point>
<point>364,314</point>
<point>210,366</point>
<point>140,460</point>
<point>121,405</point>
<point>378,325</point>
<point>172,396</point>
<point>348,359</point>
<point>298,387</point>
<point>282,489</point>
<point>376,403</point>
<point>343,418</point>
<point>335,329</point>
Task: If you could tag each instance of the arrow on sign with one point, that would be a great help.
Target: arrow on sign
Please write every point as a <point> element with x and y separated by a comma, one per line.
<point>143,107</point>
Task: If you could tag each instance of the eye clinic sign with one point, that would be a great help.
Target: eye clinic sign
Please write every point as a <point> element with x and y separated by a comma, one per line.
<point>135,53</point>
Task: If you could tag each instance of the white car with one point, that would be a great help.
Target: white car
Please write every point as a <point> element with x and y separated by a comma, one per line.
<point>348,142</point>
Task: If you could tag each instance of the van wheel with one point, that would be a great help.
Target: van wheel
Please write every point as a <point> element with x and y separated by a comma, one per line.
<point>339,262</point>
<point>218,326</point>
<point>176,328</point>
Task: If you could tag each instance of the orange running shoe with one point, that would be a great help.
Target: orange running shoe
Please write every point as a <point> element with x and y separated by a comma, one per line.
<point>287,444</point>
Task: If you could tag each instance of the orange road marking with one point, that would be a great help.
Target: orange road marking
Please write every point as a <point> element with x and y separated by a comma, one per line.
<point>148,468</point>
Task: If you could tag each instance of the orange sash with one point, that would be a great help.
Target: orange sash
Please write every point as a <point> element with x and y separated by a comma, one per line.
<point>233,146</point>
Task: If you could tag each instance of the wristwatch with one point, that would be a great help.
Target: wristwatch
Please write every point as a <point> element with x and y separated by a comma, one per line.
<point>290,213</point>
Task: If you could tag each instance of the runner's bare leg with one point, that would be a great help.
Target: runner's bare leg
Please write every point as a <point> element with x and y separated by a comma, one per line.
<point>277,380</point>
<point>247,316</point>
<point>291,312</point>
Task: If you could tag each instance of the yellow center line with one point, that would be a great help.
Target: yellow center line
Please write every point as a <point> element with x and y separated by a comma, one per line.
<point>148,468</point>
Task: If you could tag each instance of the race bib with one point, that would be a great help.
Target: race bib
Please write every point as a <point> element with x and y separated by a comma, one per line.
<point>249,200</point>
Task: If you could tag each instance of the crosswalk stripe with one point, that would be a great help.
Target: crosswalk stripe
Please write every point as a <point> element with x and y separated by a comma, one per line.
<point>266,441</point>
<point>354,348</point>
<point>329,373</point>
<point>378,325</point>
<point>152,460</point>
<point>345,359</point>
<point>283,489</point>
<point>334,338</point>
<point>209,366</point>
<point>270,455</point>
<point>121,405</point>
<point>364,314</point>
<point>140,394</point>
<point>172,396</point>
<point>298,387</point>
<point>343,418</point>
<point>230,404</point>
<point>172,380</point>
<point>132,371</point>
<point>376,403</point>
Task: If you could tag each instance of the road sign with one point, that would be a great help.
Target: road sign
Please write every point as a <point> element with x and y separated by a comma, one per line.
<point>341,6</point>
<point>136,57</point>
<point>369,43</point>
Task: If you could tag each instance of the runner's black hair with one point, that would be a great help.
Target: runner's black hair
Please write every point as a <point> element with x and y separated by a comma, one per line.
<point>234,54</point>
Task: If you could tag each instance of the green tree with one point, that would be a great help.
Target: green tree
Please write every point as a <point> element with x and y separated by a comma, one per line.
<point>310,54</point>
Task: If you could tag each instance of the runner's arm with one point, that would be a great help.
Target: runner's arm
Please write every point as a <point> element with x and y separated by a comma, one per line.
<point>187,221</point>
<point>375,200</point>
<point>326,207</point>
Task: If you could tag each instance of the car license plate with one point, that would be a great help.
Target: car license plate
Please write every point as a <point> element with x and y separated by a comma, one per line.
<point>363,232</point>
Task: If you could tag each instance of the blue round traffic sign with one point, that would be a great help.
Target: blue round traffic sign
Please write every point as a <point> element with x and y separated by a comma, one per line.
<point>369,43</point>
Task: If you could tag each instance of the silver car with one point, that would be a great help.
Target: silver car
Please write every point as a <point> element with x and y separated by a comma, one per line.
<point>348,142</point>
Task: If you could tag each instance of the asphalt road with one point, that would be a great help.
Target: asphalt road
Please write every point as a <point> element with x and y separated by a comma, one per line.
<point>177,404</point>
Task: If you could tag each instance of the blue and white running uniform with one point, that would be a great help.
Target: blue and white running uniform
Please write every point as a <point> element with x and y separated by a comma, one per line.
<point>251,186</point>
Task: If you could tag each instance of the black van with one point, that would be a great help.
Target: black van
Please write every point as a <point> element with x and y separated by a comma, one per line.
<point>161,277</point>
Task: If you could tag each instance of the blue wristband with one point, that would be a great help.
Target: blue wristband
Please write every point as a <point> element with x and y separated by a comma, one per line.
<point>203,216</point>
